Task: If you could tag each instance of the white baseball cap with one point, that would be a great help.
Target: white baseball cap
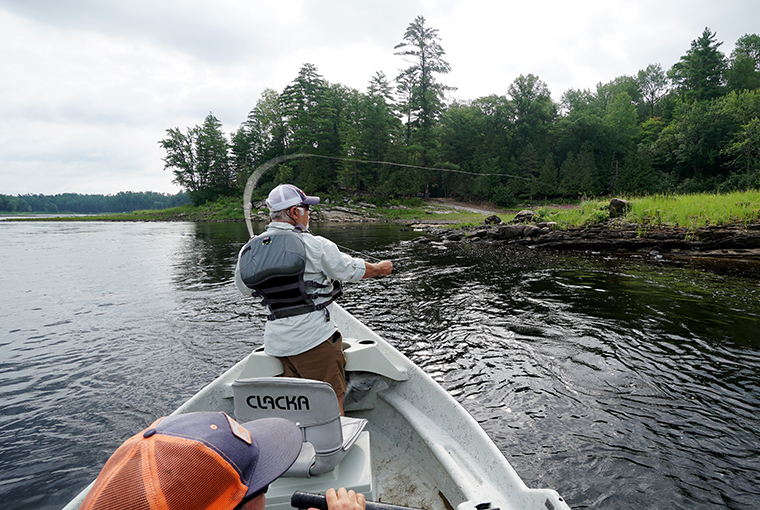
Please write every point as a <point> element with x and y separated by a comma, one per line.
<point>285,196</point>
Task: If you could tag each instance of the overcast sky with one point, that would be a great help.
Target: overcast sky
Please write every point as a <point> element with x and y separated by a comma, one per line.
<point>88,87</point>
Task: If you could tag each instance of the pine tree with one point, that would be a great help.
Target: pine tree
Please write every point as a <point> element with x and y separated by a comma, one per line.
<point>423,94</point>
<point>699,73</point>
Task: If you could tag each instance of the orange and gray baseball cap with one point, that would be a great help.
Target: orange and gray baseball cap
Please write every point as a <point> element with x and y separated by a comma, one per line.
<point>286,196</point>
<point>195,461</point>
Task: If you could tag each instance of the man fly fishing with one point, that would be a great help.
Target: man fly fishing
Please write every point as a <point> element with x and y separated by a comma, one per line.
<point>298,276</point>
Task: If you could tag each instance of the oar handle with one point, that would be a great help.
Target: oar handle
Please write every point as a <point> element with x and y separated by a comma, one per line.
<point>306,500</point>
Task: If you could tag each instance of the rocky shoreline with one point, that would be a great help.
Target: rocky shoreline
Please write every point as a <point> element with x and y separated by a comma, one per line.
<point>736,241</point>
<point>731,241</point>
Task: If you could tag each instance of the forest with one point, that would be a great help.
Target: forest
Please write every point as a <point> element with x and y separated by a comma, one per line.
<point>692,128</point>
<point>124,201</point>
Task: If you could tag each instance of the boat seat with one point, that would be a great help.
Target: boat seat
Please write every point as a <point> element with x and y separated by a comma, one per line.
<point>310,404</point>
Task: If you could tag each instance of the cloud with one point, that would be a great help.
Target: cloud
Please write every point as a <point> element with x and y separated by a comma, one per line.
<point>89,86</point>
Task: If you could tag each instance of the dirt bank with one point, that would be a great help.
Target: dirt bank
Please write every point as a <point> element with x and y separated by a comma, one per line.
<point>475,207</point>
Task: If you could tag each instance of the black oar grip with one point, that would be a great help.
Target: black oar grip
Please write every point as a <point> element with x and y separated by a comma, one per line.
<point>306,500</point>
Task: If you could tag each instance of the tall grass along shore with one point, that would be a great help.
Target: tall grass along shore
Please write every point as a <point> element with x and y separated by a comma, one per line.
<point>684,211</point>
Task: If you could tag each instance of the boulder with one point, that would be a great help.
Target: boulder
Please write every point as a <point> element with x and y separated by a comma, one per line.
<point>524,216</point>
<point>492,220</point>
<point>619,207</point>
<point>510,231</point>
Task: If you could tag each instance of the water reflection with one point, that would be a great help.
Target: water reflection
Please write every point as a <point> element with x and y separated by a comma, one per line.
<point>208,253</point>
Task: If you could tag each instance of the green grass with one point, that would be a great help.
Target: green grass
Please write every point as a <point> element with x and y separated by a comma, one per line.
<point>694,211</point>
<point>215,211</point>
<point>586,213</point>
<point>228,208</point>
<point>687,211</point>
<point>147,215</point>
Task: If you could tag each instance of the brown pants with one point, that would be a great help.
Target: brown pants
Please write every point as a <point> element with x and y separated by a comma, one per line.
<point>325,362</point>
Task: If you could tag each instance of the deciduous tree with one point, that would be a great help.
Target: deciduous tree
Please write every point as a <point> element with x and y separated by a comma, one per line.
<point>744,68</point>
<point>653,83</point>
<point>181,157</point>
<point>748,46</point>
<point>534,109</point>
<point>199,159</point>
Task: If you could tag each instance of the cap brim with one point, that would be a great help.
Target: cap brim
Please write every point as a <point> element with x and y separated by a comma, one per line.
<point>310,200</point>
<point>279,441</point>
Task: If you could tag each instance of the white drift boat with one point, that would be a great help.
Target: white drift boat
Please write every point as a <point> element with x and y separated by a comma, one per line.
<point>418,447</point>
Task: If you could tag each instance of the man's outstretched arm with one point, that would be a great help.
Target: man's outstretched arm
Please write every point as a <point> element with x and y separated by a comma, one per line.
<point>381,268</point>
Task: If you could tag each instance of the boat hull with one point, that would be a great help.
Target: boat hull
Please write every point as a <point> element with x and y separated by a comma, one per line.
<point>426,450</point>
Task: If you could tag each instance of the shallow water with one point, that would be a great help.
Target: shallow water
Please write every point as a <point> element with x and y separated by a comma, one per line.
<point>616,381</point>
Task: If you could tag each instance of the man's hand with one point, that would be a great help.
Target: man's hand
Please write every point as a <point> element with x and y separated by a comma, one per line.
<point>344,500</point>
<point>381,268</point>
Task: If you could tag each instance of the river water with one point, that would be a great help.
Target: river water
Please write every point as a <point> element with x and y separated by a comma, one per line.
<point>620,382</point>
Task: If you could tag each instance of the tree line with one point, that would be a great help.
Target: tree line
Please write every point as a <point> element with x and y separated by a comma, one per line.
<point>692,128</point>
<point>125,201</point>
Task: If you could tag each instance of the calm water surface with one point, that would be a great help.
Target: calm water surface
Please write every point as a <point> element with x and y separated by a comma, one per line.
<point>619,382</point>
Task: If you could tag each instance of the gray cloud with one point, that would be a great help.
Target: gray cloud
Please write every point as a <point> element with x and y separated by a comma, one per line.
<point>89,86</point>
<point>210,31</point>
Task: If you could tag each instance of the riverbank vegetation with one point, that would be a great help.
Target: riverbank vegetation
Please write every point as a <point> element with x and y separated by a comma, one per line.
<point>694,211</point>
<point>125,201</point>
<point>686,211</point>
<point>692,128</point>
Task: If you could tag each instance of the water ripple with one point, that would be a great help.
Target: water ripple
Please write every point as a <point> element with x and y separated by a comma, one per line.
<point>619,382</point>
<point>639,380</point>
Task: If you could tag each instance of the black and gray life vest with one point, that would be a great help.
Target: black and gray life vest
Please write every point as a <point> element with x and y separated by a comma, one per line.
<point>272,265</point>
